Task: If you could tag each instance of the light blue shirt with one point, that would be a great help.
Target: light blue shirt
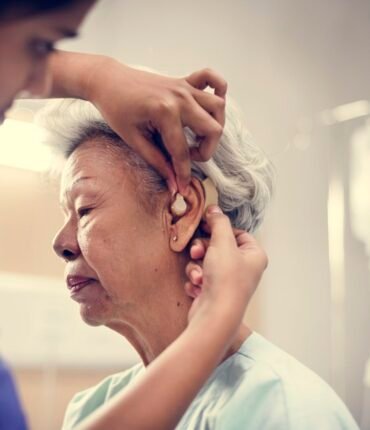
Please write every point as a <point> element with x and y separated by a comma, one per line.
<point>260,387</point>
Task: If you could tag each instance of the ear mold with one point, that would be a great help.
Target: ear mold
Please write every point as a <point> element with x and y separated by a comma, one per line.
<point>179,205</point>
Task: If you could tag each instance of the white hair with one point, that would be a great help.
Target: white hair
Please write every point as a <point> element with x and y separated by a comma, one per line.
<point>239,168</point>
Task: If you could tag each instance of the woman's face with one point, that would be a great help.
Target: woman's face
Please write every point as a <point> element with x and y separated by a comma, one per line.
<point>116,250</point>
<point>26,45</point>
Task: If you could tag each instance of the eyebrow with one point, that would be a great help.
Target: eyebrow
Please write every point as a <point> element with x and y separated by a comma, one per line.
<point>83,178</point>
<point>67,32</point>
<point>75,182</point>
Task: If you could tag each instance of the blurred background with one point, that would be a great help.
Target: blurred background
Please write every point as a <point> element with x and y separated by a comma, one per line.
<point>300,72</point>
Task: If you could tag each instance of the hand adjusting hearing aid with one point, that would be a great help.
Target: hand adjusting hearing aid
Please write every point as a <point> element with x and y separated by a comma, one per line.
<point>179,205</point>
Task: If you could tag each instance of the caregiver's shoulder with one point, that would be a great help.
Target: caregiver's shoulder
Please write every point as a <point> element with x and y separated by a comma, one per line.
<point>86,402</point>
<point>277,392</point>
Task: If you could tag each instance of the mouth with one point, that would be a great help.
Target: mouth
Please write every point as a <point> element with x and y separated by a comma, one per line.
<point>77,283</point>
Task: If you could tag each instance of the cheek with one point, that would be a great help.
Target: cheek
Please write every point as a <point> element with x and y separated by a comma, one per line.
<point>13,77</point>
<point>10,82</point>
<point>124,257</point>
<point>111,252</point>
<point>92,240</point>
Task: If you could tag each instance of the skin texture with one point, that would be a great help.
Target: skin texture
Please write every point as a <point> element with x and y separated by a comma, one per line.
<point>25,48</point>
<point>110,236</point>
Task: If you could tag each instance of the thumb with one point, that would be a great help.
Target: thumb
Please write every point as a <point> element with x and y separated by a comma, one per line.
<point>219,227</point>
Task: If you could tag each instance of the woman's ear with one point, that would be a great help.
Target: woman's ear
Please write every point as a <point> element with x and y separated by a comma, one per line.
<point>183,227</point>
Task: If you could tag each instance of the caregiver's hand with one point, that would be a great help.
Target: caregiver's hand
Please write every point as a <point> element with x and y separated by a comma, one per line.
<point>225,270</point>
<point>138,104</point>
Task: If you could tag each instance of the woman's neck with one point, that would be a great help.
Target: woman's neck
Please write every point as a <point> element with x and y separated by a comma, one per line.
<point>154,325</point>
<point>149,343</point>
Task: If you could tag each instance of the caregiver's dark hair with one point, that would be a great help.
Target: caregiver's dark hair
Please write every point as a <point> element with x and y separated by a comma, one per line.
<point>16,9</point>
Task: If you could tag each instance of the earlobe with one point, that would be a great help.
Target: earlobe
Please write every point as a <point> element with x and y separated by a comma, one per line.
<point>183,227</point>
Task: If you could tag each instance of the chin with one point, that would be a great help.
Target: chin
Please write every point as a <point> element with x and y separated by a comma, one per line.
<point>91,316</point>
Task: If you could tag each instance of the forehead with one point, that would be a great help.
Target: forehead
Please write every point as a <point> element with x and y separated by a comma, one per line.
<point>96,159</point>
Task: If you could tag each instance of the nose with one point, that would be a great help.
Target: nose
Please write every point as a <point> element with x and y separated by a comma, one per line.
<point>40,79</point>
<point>65,243</point>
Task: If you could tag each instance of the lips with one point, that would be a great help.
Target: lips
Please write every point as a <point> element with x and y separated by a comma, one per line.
<point>76,283</point>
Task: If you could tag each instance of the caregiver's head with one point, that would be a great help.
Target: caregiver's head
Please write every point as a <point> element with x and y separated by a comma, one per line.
<point>28,33</point>
<point>125,250</point>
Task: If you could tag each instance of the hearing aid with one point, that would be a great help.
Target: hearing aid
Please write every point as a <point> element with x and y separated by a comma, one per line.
<point>210,193</point>
<point>179,206</point>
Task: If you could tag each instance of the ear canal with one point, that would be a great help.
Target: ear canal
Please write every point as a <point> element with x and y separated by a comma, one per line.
<point>179,206</point>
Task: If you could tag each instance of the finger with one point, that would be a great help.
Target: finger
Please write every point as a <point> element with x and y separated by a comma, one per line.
<point>153,156</point>
<point>207,130</point>
<point>189,289</point>
<point>197,251</point>
<point>238,234</point>
<point>171,130</point>
<point>194,272</point>
<point>208,78</point>
<point>213,104</point>
<point>192,290</point>
<point>243,238</point>
<point>220,227</point>
<point>198,248</point>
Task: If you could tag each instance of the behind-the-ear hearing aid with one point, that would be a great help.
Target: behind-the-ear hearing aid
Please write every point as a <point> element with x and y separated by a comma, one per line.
<point>179,206</point>
<point>210,193</point>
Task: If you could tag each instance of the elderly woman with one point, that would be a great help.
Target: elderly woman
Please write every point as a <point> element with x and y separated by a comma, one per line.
<point>127,254</point>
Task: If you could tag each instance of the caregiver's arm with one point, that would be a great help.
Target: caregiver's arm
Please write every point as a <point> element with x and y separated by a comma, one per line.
<point>232,269</point>
<point>136,103</point>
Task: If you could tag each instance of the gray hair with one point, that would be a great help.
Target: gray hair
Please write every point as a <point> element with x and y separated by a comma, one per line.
<point>240,170</point>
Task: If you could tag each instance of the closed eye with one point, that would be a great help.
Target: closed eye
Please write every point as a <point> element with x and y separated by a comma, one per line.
<point>83,212</point>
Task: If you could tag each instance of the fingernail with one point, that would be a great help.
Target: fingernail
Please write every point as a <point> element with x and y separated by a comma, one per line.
<point>195,273</point>
<point>213,209</point>
<point>172,186</point>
